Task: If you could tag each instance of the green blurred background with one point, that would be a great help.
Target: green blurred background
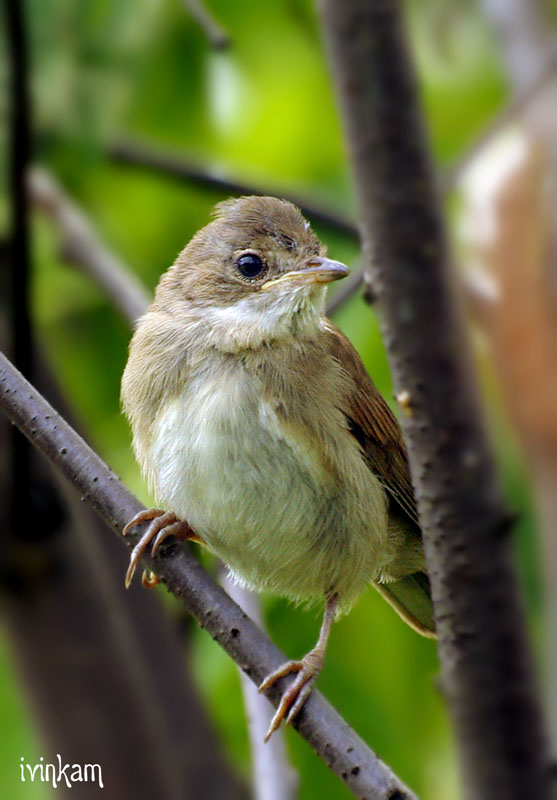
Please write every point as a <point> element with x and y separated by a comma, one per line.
<point>262,110</point>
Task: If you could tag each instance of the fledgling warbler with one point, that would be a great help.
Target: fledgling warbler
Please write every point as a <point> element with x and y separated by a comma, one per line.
<point>257,427</point>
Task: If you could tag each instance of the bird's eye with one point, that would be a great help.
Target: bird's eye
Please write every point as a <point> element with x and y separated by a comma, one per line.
<point>250,265</point>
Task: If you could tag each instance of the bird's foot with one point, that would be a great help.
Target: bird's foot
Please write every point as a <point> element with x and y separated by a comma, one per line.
<point>299,690</point>
<point>163,524</point>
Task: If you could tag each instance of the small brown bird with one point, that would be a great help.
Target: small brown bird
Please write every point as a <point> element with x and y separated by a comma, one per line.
<point>255,421</point>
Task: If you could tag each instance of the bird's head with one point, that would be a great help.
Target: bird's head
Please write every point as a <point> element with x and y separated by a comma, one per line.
<point>256,273</point>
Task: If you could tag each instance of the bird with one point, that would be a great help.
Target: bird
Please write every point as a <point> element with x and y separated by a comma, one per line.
<point>261,435</point>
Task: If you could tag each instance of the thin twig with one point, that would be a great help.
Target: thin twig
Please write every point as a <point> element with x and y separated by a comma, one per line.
<point>214,31</point>
<point>523,36</point>
<point>520,102</point>
<point>327,733</point>
<point>180,168</point>
<point>273,777</point>
<point>18,267</point>
<point>483,646</point>
<point>346,290</point>
<point>80,245</point>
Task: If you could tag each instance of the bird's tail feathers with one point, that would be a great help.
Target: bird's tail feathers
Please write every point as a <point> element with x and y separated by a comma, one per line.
<point>411,598</point>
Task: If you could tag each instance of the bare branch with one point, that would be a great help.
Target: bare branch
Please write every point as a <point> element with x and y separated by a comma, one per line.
<point>327,733</point>
<point>523,36</point>
<point>15,277</point>
<point>273,777</point>
<point>81,246</point>
<point>180,168</point>
<point>448,180</point>
<point>526,41</point>
<point>523,99</point>
<point>214,31</point>
<point>347,288</point>
<point>83,651</point>
<point>486,666</point>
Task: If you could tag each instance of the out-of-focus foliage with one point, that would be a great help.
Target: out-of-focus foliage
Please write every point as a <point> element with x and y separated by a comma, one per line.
<point>263,110</point>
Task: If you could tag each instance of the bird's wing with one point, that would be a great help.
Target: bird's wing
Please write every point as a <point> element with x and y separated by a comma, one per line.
<point>374,426</point>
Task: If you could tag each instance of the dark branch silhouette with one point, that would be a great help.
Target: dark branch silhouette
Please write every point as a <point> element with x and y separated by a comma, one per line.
<point>87,656</point>
<point>526,41</point>
<point>485,658</point>
<point>15,277</point>
<point>179,167</point>
<point>81,246</point>
<point>327,733</point>
<point>214,31</point>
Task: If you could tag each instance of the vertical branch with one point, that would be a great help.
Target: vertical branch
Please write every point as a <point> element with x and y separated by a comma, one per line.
<point>273,777</point>
<point>83,650</point>
<point>528,278</point>
<point>19,158</point>
<point>520,327</point>
<point>483,648</point>
<point>18,329</point>
<point>522,34</point>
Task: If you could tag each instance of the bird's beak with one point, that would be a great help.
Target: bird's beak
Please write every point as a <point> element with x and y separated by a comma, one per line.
<point>317,270</point>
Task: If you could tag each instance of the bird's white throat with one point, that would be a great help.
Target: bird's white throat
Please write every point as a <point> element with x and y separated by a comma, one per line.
<point>259,319</point>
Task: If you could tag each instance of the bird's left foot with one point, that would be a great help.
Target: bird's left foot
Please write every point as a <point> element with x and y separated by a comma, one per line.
<point>163,524</point>
<point>299,690</point>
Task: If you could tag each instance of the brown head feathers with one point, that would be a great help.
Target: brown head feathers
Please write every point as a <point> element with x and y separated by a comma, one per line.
<point>271,229</point>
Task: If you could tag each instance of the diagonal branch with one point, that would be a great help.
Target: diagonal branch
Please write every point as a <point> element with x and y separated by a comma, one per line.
<point>216,34</point>
<point>327,733</point>
<point>181,169</point>
<point>81,245</point>
<point>485,656</point>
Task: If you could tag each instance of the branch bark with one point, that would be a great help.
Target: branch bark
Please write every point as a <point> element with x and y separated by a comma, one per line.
<point>16,276</point>
<point>529,287</point>
<point>272,776</point>
<point>485,658</point>
<point>174,166</point>
<point>81,246</point>
<point>327,733</point>
<point>214,31</point>
<point>523,36</point>
<point>180,168</point>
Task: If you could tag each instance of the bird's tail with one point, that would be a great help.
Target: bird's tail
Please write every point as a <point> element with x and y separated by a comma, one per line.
<point>411,598</point>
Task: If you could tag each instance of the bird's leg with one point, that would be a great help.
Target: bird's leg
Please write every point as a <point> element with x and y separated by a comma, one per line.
<point>308,669</point>
<point>163,524</point>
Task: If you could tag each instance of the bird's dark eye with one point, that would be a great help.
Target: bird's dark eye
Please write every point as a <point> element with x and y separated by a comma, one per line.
<point>250,265</point>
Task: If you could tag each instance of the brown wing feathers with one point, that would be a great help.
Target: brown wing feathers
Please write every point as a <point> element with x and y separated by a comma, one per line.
<point>375,427</point>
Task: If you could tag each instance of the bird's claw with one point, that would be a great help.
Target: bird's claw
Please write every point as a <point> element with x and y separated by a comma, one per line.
<point>163,524</point>
<point>148,579</point>
<point>296,694</point>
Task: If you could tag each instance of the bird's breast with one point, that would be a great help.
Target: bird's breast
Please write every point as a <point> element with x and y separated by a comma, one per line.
<point>264,489</point>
